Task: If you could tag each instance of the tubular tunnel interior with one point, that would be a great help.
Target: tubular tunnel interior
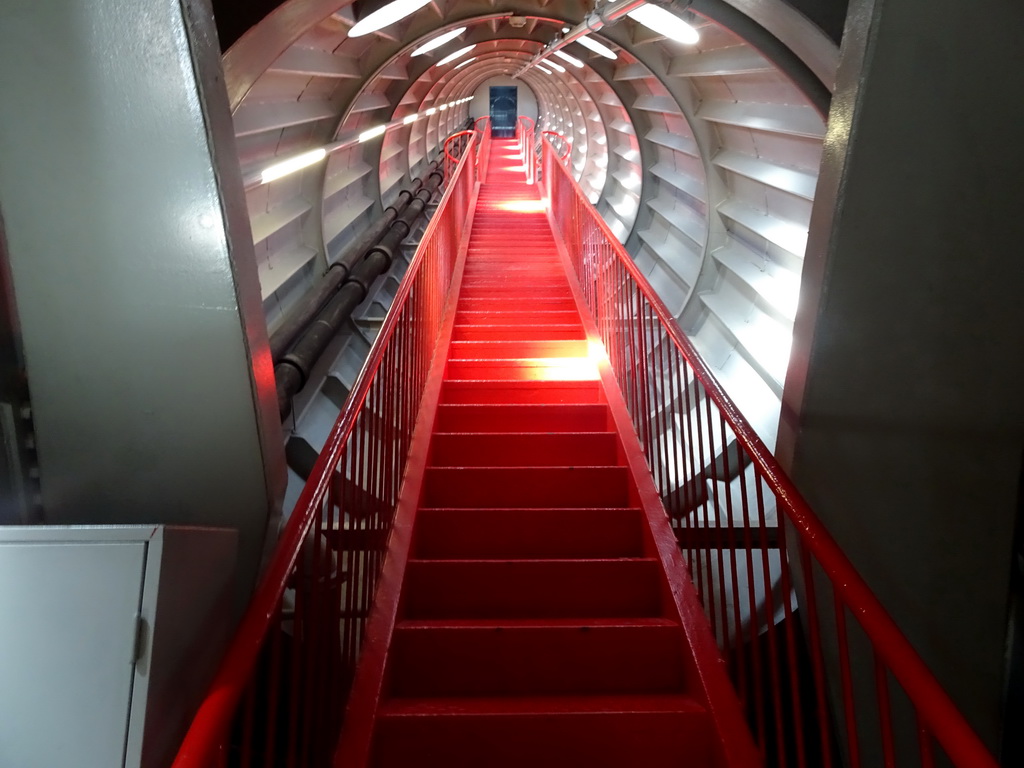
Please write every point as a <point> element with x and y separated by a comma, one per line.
<point>701,158</point>
<point>671,178</point>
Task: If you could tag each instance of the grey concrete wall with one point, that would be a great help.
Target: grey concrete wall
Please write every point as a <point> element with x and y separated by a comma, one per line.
<point>129,246</point>
<point>903,420</point>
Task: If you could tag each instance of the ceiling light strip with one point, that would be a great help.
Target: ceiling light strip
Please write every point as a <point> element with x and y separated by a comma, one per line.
<point>594,22</point>
<point>384,17</point>
<point>312,157</point>
<point>438,41</point>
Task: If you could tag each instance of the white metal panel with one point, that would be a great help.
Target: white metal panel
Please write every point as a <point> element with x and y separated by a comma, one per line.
<point>781,118</point>
<point>266,224</point>
<point>257,117</point>
<point>733,60</point>
<point>113,634</point>
<point>313,62</point>
<point>67,651</point>
<point>786,235</point>
<point>787,179</point>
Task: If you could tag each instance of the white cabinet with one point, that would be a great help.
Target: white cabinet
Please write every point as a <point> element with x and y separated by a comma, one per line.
<point>108,637</point>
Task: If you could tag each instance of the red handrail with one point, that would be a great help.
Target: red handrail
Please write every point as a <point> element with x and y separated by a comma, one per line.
<point>280,691</point>
<point>715,492</point>
<point>483,155</point>
<point>527,146</point>
<point>564,155</point>
<point>457,142</point>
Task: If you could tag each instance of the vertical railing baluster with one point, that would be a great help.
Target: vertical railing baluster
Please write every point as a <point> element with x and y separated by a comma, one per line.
<point>884,713</point>
<point>753,621</point>
<point>737,635</point>
<point>791,641</point>
<point>693,492</point>
<point>704,501</point>
<point>248,733</point>
<point>924,743</point>
<point>817,654</point>
<point>846,681</point>
<point>273,692</point>
<point>773,647</point>
<point>298,613</point>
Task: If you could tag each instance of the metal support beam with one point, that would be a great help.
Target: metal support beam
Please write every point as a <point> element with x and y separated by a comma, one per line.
<point>133,270</point>
<point>594,22</point>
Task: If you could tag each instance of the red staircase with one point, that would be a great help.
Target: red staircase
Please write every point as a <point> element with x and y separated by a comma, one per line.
<point>531,604</point>
<point>535,622</point>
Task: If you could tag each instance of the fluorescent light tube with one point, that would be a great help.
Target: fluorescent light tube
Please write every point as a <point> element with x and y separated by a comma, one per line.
<point>457,55</point>
<point>292,164</point>
<point>386,16</point>
<point>372,133</point>
<point>664,23</point>
<point>571,59</point>
<point>587,42</point>
<point>438,41</point>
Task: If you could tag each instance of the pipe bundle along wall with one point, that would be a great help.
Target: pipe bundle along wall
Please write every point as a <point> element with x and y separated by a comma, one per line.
<point>306,333</point>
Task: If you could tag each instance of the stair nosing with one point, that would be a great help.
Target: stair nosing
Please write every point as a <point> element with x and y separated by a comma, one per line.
<point>547,434</point>
<point>477,706</point>
<point>418,625</point>
<point>532,560</point>
<point>533,509</point>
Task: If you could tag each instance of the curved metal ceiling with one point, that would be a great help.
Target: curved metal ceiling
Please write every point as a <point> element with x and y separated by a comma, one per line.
<point>703,159</point>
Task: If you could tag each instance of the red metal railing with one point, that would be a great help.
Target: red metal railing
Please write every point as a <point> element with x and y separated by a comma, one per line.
<point>527,146</point>
<point>455,145</point>
<point>279,695</point>
<point>454,148</point>
<point>562,141</point>
<point>777,590</point>
<point>483,154</point>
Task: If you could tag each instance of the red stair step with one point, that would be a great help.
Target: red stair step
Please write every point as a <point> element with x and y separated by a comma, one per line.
<point>533,659</point>
<point>497,288</point>
<point>523,290</point>
<point>523,369</point>
<point>529,534</point>
<point>480,332</point>
<point>524,417</point>
<point>654,731</point>
<point>523,282</point>
<point>496,259</point>
<point>500,234</point>
<point>515,304</point>
<point>502,270</point>
<point>521,391</point>
<point>516,449</point>
<point>533,487</point>
<point>512,316</point>
<point>503,350</point>
<point>528,589</point>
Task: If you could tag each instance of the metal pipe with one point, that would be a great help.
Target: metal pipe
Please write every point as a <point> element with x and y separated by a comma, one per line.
<point>293,370</point>
<point>300,317</point>
<point>595,21</point>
